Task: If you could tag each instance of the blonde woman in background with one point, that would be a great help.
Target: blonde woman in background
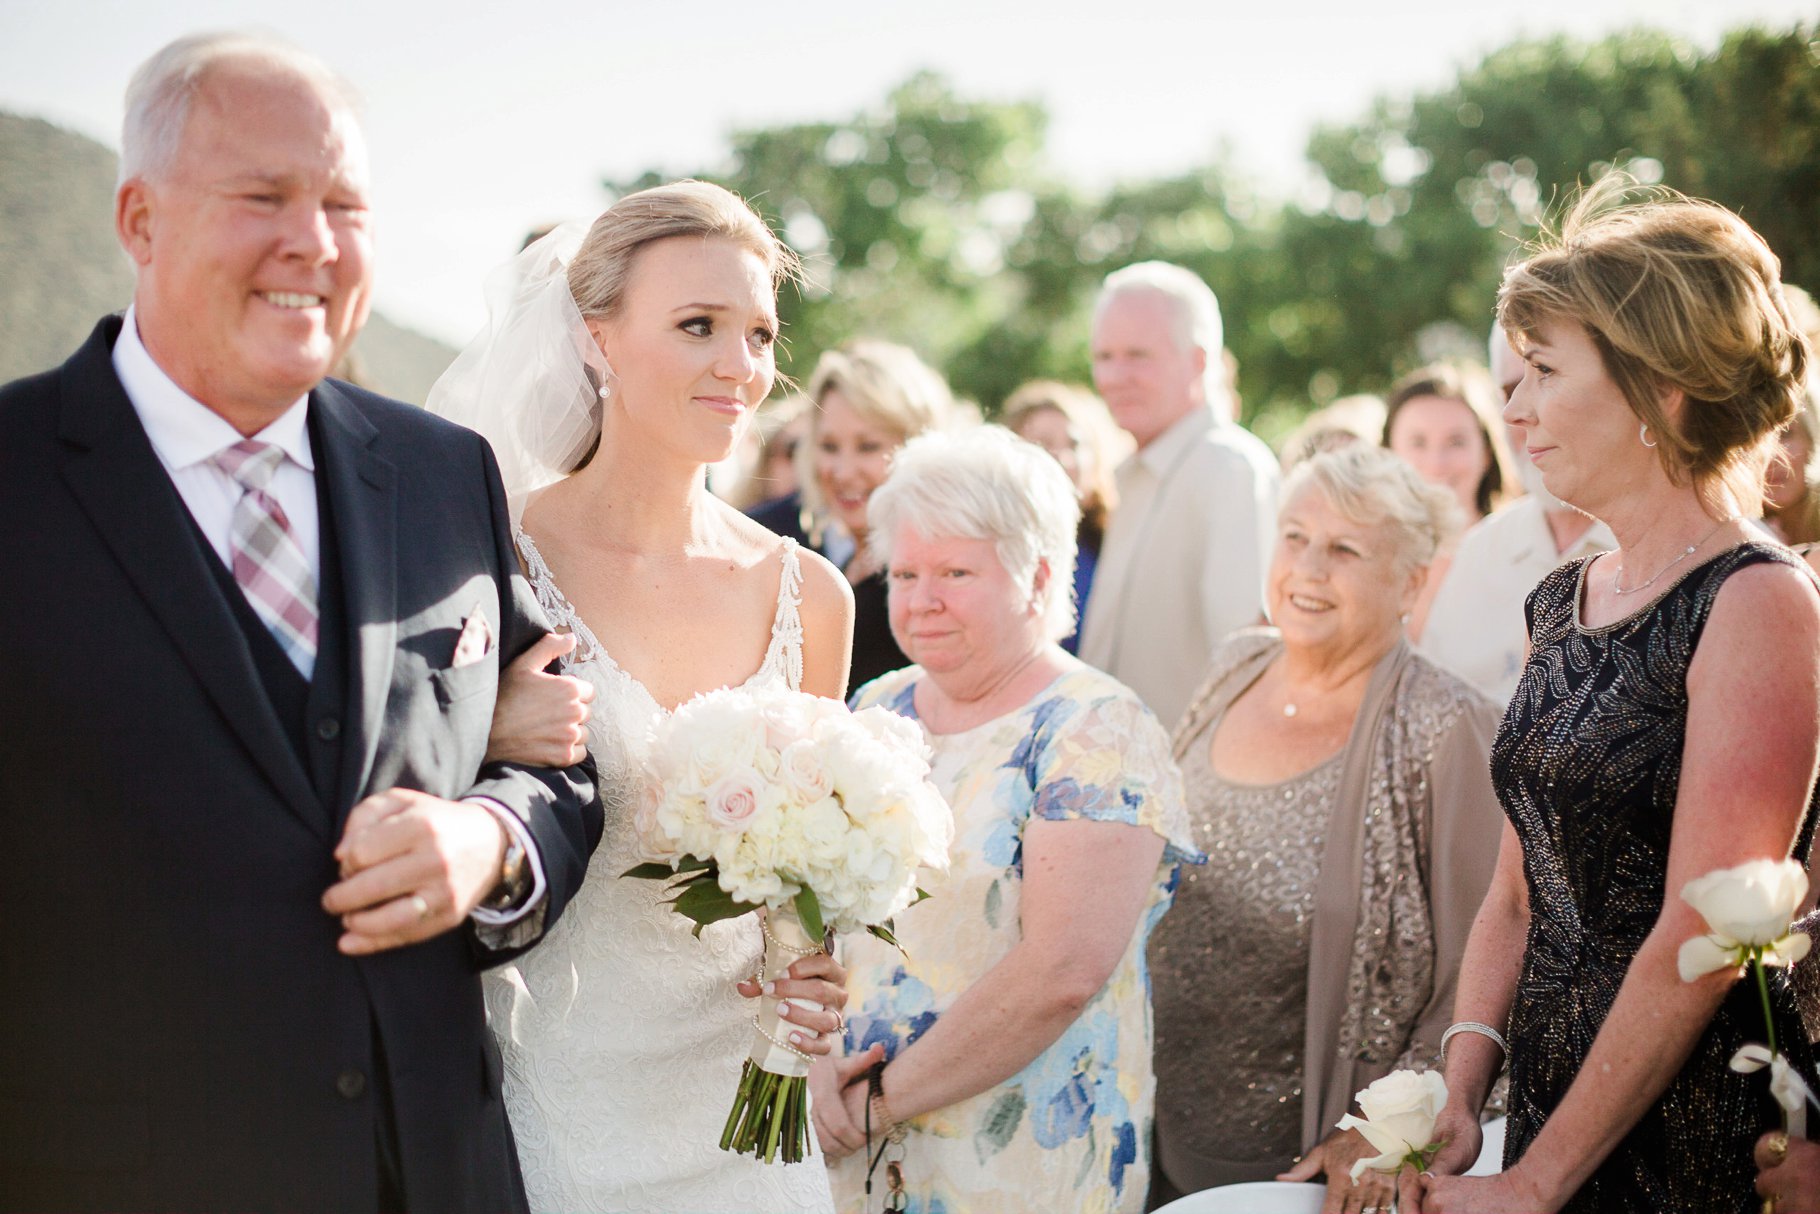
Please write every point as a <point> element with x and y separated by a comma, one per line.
<point>868,398</point>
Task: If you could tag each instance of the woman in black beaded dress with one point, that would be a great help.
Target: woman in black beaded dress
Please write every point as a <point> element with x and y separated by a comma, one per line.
<point>1665,725</point>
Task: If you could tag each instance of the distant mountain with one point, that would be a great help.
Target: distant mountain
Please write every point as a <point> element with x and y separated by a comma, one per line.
<point>61,269</point>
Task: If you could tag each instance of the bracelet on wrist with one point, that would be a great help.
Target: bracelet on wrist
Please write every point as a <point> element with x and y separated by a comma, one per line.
<point>1473,1026</point>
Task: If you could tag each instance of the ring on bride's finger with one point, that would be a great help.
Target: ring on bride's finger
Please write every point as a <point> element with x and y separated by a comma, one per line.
<point>421,905</point>
<point>840,1026</point>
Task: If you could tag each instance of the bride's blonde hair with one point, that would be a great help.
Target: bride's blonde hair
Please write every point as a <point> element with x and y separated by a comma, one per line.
<point>603,265</point>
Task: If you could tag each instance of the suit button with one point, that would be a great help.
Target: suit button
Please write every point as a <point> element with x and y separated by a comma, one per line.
<point>328,729</point>
<point>351,1083</point>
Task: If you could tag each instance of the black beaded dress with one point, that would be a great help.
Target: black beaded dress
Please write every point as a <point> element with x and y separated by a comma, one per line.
<point>1587,764</point>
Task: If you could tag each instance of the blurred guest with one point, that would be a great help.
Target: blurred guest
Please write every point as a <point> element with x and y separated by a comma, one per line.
<point>1791,505</point>
<point>1475,625</point>
<point>1443,421</point>
<point>1183,561</point>
<point>1663,728</point>
<point>1351,419</point>
<point>1072,425</point>
<point>1015,1022</point>
<point>771,493</point>
<point>867,399</point>
<point>1339,784</point>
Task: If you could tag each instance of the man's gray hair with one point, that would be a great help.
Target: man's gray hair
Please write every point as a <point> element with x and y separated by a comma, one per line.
<point>159,96</point>
<point>1196,312</point>
<point>986,483</point>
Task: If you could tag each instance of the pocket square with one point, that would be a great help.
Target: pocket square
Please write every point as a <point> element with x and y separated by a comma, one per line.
<point>475,641</point>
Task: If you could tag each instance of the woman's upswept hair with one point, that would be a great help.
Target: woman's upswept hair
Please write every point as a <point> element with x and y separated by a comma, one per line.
<point>1676,293</point>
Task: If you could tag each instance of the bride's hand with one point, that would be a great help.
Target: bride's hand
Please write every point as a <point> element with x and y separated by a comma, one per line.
<point>540,720</point>
<point>817,978</point>
<point>829,1078</point>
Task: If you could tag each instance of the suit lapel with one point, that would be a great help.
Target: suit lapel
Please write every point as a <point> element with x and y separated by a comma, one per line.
<point>363,498</point>
<point>120,483</point>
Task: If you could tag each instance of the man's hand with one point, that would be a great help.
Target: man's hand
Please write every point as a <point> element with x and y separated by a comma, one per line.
<point>412,867</point>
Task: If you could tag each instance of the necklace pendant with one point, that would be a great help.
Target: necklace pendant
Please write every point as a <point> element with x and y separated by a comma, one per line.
<point>1289,710</point>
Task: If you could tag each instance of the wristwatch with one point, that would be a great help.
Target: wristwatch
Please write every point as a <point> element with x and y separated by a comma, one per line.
<point>514,877</point>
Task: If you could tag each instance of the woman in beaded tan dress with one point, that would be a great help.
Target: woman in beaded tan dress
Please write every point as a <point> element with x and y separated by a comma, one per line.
<point>1338,783</point>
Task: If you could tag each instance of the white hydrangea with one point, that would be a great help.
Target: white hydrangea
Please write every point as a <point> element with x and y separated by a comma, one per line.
<point>783,790</point>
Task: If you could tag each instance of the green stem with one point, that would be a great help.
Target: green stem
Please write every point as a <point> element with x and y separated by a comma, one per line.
<point>1769,1019</point>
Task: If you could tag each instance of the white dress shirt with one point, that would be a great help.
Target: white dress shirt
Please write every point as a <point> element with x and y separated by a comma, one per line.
<point>187,434</point>
<point>1183,561</point>
<point>1475,627</point>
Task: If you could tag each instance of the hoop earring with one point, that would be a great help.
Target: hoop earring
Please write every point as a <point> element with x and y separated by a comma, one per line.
<point>1642,431</point>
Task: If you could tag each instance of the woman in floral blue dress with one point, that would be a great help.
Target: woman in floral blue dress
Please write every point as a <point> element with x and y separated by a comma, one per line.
<point>1015,1023</point>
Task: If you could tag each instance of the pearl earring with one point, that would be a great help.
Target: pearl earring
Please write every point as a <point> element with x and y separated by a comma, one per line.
<point>605,390</point>
<point>1643,435</point>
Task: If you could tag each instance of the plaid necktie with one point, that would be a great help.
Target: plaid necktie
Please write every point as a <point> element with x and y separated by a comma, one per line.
<point>268,564</point>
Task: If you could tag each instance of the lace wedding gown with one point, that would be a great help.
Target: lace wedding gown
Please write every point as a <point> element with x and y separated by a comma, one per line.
<point>622,1034</point>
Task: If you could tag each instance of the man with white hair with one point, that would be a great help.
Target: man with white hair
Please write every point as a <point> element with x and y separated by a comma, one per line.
<point>1183,561</point>
<point>255,625</point>
<point>1476,627</point>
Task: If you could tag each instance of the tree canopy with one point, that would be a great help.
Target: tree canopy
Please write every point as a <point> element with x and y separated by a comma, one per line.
<point>939,222</point>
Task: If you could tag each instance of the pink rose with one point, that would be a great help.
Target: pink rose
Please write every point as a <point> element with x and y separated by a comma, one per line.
<point>733,800</point>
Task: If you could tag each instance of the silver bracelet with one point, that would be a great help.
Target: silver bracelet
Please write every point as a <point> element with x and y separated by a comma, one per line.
<point>1473,1026</point>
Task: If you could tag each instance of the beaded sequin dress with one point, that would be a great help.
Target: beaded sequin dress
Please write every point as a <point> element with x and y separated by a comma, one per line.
<point>1587,765</point>
<point>622,1034</point>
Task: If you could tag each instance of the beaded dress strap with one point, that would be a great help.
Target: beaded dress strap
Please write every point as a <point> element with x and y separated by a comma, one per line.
<point>785,653</point>
<point>555,603</point>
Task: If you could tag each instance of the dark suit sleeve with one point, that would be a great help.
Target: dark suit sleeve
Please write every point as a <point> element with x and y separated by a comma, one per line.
<point>560,806</point>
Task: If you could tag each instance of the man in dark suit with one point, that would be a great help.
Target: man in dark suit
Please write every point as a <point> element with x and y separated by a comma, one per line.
<point>250,638</point>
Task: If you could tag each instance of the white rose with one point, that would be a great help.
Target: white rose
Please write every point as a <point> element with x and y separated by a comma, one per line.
<point>1399,1118</point>
<point>805,773</point>
<point>1747,907</point>
<point>733,800</point>
<point>787,719</point>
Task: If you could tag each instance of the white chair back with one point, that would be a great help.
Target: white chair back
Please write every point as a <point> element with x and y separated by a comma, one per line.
<point>1262,1197</point>
<point>1275,1197</point>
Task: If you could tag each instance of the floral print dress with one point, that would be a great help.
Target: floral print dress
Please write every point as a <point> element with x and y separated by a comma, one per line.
<point>1071,1131</point>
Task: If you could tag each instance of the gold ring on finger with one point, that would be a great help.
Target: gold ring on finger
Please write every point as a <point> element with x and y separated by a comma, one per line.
<point>1776,1148</point>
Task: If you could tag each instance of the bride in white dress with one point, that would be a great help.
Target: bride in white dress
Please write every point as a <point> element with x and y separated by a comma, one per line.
<point>622,1034</point>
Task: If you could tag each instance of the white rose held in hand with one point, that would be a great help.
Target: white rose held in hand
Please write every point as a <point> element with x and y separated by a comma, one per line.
<point>1399,1120</point>
<point>1748,909</point>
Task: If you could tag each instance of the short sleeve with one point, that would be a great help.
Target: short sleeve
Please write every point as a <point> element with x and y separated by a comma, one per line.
<point>1106,759</point>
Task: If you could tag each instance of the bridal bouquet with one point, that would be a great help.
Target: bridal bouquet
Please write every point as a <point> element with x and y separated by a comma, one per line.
<point>823,818</point>
<point>1748,909</point>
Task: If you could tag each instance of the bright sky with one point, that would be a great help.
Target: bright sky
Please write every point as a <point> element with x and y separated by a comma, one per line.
<point>483,123</point>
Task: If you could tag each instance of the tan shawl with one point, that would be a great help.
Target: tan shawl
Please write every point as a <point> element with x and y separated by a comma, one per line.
<point>1407,856</point>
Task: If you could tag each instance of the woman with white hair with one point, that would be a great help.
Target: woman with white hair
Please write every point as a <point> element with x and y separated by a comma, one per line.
<point>1005,1051</point>
<point>1340,784</point>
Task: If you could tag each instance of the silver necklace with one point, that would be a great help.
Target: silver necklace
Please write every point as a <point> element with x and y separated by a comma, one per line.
<point>1616,582</point>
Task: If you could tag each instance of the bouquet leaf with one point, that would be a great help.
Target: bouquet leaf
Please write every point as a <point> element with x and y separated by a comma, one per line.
<point>656,871</point>
<point>883,932</point>
<point>809,911</point>
<point>706,902</point>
